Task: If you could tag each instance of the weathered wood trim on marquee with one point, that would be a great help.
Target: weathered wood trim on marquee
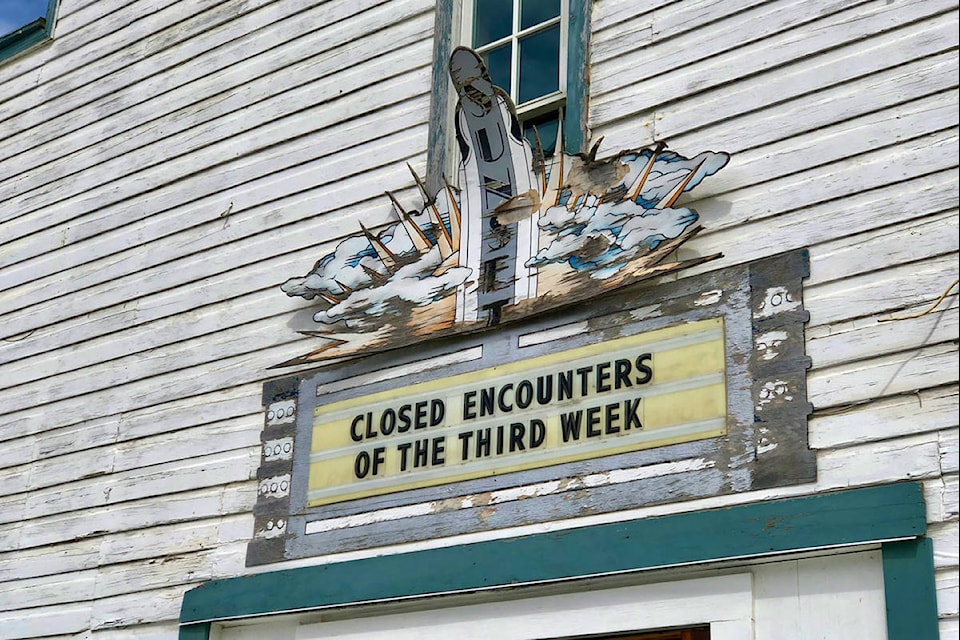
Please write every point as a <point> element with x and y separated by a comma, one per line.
<point>765,444</point>
<point>894,515</point>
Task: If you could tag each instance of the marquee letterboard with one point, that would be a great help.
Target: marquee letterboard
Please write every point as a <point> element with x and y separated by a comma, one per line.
<point>656,394</point>
<point>648,390</point>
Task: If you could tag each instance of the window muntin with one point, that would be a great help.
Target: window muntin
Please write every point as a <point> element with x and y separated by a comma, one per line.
<point>524,45</point>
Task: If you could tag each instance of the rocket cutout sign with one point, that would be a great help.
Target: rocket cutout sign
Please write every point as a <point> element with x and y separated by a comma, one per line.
<point>522,234</point>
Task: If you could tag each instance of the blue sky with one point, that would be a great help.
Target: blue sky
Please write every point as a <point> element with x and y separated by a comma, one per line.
<point>16,13</point>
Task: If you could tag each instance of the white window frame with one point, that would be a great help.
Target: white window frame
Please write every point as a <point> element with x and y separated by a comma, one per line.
<point>543,104</point>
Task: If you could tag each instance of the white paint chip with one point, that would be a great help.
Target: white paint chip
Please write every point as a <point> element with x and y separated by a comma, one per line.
<point>768,344</point>
<point>549,335</point>
<point>776,300</point>
<point>708,298</point>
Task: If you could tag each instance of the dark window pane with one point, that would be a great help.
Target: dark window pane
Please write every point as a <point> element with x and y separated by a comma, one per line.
<point>498,64</point>
<point>492,20</point>
<point>534,12</point>
<point>539,64</point>
<point>546,125</point>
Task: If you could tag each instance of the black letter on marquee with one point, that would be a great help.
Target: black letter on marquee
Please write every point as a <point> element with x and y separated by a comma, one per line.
<point>469,402</point>
<point>506,408</point>
<point>486,402</point>
<point>644,369</point>
<point>516,436</point>
<point>565,384</point>
<point>538,433</point>
<point>465,439</point>
<point>622,373</point>
<point>544,389</point>
<point>570,425</point>
<point>437,457</point>
<point>630,408</point>
<point>437,411</point>
<point>403,448</point>
<point>354,434</point>
<point>361,466</point>
<point>524,394</point>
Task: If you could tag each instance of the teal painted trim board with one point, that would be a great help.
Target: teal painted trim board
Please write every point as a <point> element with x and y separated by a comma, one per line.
<point>51,15</point>
<point>199,631</point>
<point>777,526</point>
<point>578,76</point>
<point>910,590</point>
<point>22,39</point>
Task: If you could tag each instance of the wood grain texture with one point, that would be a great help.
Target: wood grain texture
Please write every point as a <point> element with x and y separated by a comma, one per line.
<point>137,320</point>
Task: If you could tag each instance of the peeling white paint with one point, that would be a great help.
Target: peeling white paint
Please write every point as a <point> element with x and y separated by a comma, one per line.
<point>273,529</point>
<point>549,335</point>
<point>372,517</point>
<point>280,449</point>
<point>768,344</point>
<point>529,491</point>
<point>708,298</point>
<point>776,300</point>
<point>275,487</point>
<point>618,476</point>
<point>773,390</point>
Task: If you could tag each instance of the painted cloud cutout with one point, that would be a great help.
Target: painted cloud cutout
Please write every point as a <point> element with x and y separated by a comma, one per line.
<point>523,233</point>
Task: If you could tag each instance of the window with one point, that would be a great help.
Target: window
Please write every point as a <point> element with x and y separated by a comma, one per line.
<point>536,50</point>
<point>24,23</point>
<point>523,43</point>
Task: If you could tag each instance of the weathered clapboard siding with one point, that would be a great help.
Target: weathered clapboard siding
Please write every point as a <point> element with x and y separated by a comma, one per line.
<point>628,93</point>
<point>154,50</point>
<point>835,181</point>
<point>308,94</point>
<point>164,165</point>
<point>165,195</point>
<point>240,85</point>
<point>86,21</point>
<point>181,444</point>
<point>618,32</point>
<point>241,224</point>
<point>137,515</point>
<point>928,410</point>
<point>210,208</point>
<point>808,78</point>
<point>670,46</point>
<point>157,178</point>
<point>31,364</point>
<point>112,548</point>
<point>870,82</point>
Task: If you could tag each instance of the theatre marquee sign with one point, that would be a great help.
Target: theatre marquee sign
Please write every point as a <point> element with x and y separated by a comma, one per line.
<point>652,389</point>
<point>686,390</point>
<point>506,352</point>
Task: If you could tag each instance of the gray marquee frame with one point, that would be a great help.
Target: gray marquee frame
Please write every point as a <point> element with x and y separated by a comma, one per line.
<point>765,445</point>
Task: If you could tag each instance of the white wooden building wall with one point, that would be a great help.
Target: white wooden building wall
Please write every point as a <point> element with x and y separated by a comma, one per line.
<point>165,164</point>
